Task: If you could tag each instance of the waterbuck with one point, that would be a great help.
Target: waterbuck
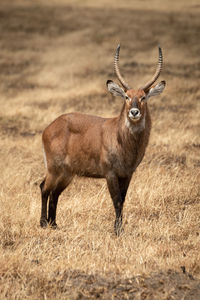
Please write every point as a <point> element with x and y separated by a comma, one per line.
<point>91,146</point>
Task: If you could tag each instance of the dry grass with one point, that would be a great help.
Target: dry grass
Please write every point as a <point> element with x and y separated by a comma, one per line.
<point>56,59</point>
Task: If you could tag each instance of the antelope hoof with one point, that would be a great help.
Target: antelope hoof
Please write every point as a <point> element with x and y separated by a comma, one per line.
<point>43,223</point>
<point>53,225</point>
<point>118,229</point>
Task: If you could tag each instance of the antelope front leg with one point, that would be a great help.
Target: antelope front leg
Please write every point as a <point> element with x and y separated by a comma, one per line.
<point>123,185</point>
<point>118,201</point>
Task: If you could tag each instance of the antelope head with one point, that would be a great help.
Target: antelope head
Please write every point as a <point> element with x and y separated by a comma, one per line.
<point>135,100</point>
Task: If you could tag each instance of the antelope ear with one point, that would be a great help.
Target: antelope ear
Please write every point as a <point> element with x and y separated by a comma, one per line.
<point>115,89</point>
<point>156,90</point>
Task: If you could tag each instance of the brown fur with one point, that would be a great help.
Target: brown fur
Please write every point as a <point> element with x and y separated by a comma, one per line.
<point>84,145</point>
<point>110,148</point>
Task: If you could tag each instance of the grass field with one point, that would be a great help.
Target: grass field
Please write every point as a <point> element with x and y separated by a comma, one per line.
<point>56,58</point>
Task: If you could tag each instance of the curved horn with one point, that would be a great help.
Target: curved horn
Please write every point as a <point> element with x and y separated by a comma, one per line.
<point>157,73</point>
<point>116,66</point>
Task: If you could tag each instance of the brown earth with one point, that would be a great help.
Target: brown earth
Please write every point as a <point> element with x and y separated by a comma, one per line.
<point>56,58</point>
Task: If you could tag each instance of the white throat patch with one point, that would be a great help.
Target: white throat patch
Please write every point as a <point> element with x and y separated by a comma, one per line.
<point>137,127</point>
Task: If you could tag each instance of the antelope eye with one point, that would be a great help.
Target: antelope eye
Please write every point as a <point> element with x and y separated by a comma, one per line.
<point>142,98</point>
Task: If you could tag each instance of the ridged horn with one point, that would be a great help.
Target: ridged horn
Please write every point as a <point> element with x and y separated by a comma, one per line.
<point>157,73</point>
<point>116,66</point>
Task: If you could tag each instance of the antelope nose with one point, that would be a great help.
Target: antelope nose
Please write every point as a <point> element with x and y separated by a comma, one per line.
<point>135,112</point>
